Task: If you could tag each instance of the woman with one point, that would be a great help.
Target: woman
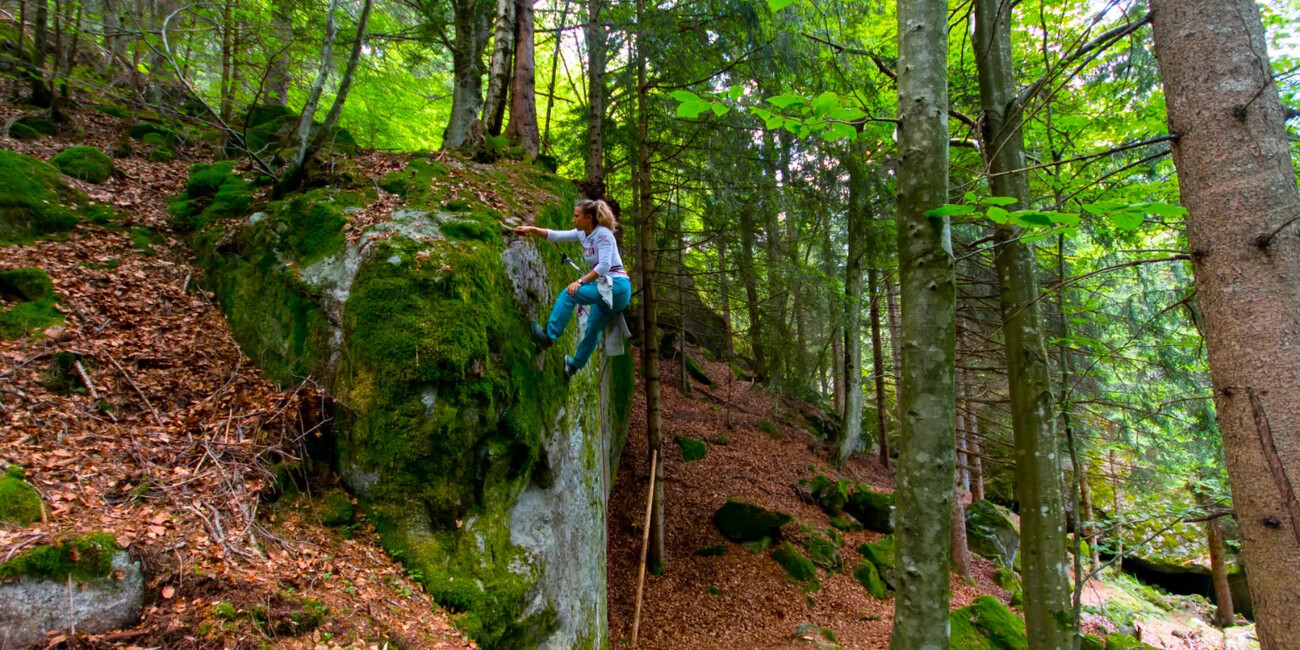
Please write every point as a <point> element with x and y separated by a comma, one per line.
<point>593,227</point>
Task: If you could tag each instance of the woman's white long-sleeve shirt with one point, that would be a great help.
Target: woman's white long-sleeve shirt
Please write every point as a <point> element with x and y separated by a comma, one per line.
<point>599,249</point>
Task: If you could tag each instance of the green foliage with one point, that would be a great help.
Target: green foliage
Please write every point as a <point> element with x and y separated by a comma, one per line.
<point>34,200</point>
<point>1091,642</point>
<point>799,568</point>
<point>84,557</point>
<point>692,449</point>
<point>335,508</point>
<point>1119,641</point>
<point>20,504</point>
<point>86,163</point>
<point>765,425</point>
<point>987,624</point>
<point>31,127</point>
<point>745,522</point>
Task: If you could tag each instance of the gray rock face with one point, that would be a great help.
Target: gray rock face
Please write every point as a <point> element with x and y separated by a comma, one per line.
<point>992,533</point>
<point>30,608</point>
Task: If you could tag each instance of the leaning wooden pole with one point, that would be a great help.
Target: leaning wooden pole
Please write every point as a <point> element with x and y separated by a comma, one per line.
<point>645,544</point>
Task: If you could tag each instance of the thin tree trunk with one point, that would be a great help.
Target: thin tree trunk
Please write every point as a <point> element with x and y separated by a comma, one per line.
<point>857,227</point>
<point>1117,506</point>
<point>960,559</point>
<point>1038,470</point>
<point>963,457</point>
<point>895,346</point>
<point>322,75</point>
<point>925,261</point>
<point>878,366</point>
<point>1238,182</point>
<point>977,453</point>
<point>596,56</point>
<point>749,276</point>
<point>226,106</point>
<point>1223,614</point>
<point>725,291</point>
<point>277,78</point>
<point>40,91</point>
<point>835,312</point>
<point>473,25</point>
<point>523,102</point>
<point>645,241</point>
<point>555,65</point>
<point>345,84</point>
<point>499,70</point>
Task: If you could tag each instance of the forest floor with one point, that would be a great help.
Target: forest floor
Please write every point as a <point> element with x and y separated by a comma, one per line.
<point>173,455</point>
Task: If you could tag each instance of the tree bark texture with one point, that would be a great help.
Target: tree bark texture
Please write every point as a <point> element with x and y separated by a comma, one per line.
<point>41,96</point>
<point>1237,181</point>
<point>345,84</point>
<point>473,24</point>
<point>878,365</point>
<point>596,55</point>
<point>523,92</point>
<point>1223,614</point>
<point>499,70</point>
<point>277,78</point>
<point>928,287</point>
<point>326,66</point>
<point>857,215</point>
<point>749,276</point>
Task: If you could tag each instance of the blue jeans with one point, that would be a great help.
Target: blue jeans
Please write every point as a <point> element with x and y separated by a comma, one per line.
<point>599,314</point>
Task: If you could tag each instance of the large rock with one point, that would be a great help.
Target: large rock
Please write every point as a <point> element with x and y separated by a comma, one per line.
<point>992,533</point>
<point>483,469</point>
<point>107,590</point>
<point>874,509</point>
<point>987,624</point>
<point>745,522</point>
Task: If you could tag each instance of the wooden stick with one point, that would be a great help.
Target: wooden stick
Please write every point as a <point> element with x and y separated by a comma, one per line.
<point>645,545</point>
<point>94,394</point>
<point>137,389</point>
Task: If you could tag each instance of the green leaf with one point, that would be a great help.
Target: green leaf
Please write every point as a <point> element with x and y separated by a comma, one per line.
<point>949,210</point>
<point>1064,218</point>
<point>1126,220</point>
<point>785,101</point>
<point>777,5</point>
<point>1030,218</point>
<point>824,103</point>
<point>998,215</point>
<point>998,200</point>
<point>762,113</point>
<point>735,92</point>
<point>839,131</point>
<point>1162,209</point>
<point>1095,208</point>
<point>691,110</point>
<point>685,96</point>
<point>774,122</point>
<point>719,108</point>
<point>847,114</point>
<point>792,125</point>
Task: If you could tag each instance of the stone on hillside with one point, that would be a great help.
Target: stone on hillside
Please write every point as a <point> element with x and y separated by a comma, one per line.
<point>992,533</point>
<point>745,522</point>
<point>31,127</point>
<point>1010,580</point>
<point>34,200</point>
<point>799,568</point>
<point>1091,642</point>
<point>987,624</point>
<point>20,504</point>
<point>869,577</point>
<point>1119,641</point>
<point>830,496</point>
<point>845,522</point>
<point>32,299</point>
<point>698,373</point>
<point>86,163</point>
<point>874,509</point>
<point>881,554</point>
<point>692,449</point>
<point>34,599</point>
<point>816,636</point>
<point>824,553</point>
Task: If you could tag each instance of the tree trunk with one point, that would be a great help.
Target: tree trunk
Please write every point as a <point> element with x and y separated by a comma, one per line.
<point>345,84</point>
<point>749,275</point>
<point>473,21</point>
<point>1117,505</point>
<point>1237,181</point>
<point>960,551</point>
<point>41,96</point>
<point>895,346</point>
<point>523,96</point>
<point>596,56</point>
<point>646,246</point>
<point>277,78</point>
<point>322,75</point>
<point>977,453</point>
<point>1223,615</point>
<point>857,227</point>
<point>928,286</point>
<point>503,47</point>
<point>1038,469</point>
<point>225,105</point>
<point>878,366</point>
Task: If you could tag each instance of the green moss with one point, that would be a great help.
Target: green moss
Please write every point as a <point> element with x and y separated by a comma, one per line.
<point>225,611</point>
<point>709,551</point>
<point>34,200</point>
<point>61,376</point>
<point>86,163</point>
<point>23,132</point>
<point>799,568</point>
<point>162,155</point>
<point>112,111</point>
<point>84,557</point>
<point>692,449</point>
<point>100,214</point>
<point>830,495</point>
<point>335,508</point>
<point>869,577</point>
<point>143,238</point>
<point>471,230</point>
<point>416,179</point>
<point>1118,641</point>
<point>1091,642</point>
<point>987,624</point>
<point>743,522</point>
<point>846,523</point>
<point>721,440</point>
<point>824,553</point>
<point>20,504</point>
<point>37,123</point>
<point>881,554</point>
<point>874,509</point>
<point>765,425</point>
<point>25,284</point>
<point>142,130</point>
<point>214,191</point>
<point>697,372</point>
<point>312,225</point>
<point>758,545</point>
<point>991,532</point>
<point>33,296</point>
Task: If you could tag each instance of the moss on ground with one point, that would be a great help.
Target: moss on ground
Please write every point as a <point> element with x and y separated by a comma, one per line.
<point>32,299</point>
<point>1119,641</point>
<point>799,568</point>
<point>831,496</point>
<point>415,180</point>
<point>692,449</point>
<point>824,553</point>
<point>20,504</point>
<point>34,200</point>
<point>143,130</point>
<point>710,551</point>
<point>765,425</point>
<point>31,127</point>
<point>869,577</point>
<point>694,370</point>
<point>85,163</point>
<point>987,624</point>
<point>745,522</point>
<point>84,557</point>
<point>214,191</point>
<point>874,509</point>
<point>1091,642</point>
<point>335,508</point>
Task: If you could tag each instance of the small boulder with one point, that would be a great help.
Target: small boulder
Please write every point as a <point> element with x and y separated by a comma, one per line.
<point>1118,641</point>
<point>1091,642</point>
<point>830,496</point>
<point>992,533</point>
<point>799,568</point>
<point>874,509</point>
<point>881,554</point>
<point>692,449</point>
<point>816,636</point>
<point>20,504</point>
<point>869,577</point>
<point>745,522</point>
<point>824,553</point>
<point>987,623</point>
<point>86,163</point>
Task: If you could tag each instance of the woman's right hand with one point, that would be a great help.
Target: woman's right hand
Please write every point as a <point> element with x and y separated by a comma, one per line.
<point>530,231</point>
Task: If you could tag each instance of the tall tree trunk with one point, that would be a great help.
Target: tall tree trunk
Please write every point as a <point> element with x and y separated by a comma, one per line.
<point>857,227</point>
<point>523,96</point>
<point>976,449</point>
<point>646,252</point>
<point>749,275</point>
<point>226,105</point>
<point>1223,614</point>
<point>960,559</point>
<point>115,41</point>
<point>322,75</point>
<point>1038,469</point>
<point>596,56</point>
<point>835,319</point>
<point>895,346</point>
<point>277,78</point>
<point>473,21</point>
<point>878,366</point>
<point>928,286</point>
<point>1117,504</point>
<point>41,95</point>
<point>1236,178</point>
<point>499,70</point>
<point>327,127</point>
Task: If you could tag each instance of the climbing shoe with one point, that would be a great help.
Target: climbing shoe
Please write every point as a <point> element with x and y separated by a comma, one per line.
<point>540,337</point>
<point>569,369</point>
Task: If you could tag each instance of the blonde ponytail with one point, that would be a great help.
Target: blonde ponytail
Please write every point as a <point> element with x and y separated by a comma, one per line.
<point>600,212</point>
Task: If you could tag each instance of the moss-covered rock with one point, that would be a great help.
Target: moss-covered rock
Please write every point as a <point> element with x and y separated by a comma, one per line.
<point>1010,580</point>
<point>710,551</point>
<point>86,163</point>
<point>1119,641</point>
<point>846,523</point>
<point>869,577</point>
<point>213,192</point>
<point>34,200</point>
<point>824,553</point>
<point>20,504</point>
<point>695,371</point>
<point>25,284</point>
<point>874,509</point>
<point>31,127</point>
<point>881,554</point>
<point>799,568</point>
<point>692,449</point>
<point>745,522</point>
<point>816,636</point>
<point>152,133</point>
<point>992,533</point>
<point>32,299</point>
<point>1091,642</point>
<point>84,557</point>
<point>987,624</point>
<point>831,496</point>
<point>335,508</point>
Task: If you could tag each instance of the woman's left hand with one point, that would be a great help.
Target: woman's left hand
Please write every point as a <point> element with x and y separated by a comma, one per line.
<point>573,288</point>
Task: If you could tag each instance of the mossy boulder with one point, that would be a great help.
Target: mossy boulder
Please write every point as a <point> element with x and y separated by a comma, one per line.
<point>881,554</point>
<point>816,636</point>
<point>739,521</point>
<point>692,449</point>
<point>824,553</point>
<point>20,504</point>
<point>30,297</point>
<point>987,624</point>
<point>1120,641</point>
<point>335,508</point>
<point>799,568</point>
<point>992,533</point>
<point>478,462</point>
<point>696,372</point>
<point>1091,642</point>
<point>86,163</point>
<point>214,191</point>
<point>868,576</point>
<point>31,127</point>
<point>34,200</point>
<point>846,523</point>
<point>152,133</point>
<point>874,509</point>
<point>84,557</point>
<point>831,496</point>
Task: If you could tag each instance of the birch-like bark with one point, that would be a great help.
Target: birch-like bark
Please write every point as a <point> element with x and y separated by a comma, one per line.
<point>313,98</point>
<point>928,287</point>
<point>878,365</point>
<point>853,268</point>
<point>1238,182</point>
<point>345,84</point>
